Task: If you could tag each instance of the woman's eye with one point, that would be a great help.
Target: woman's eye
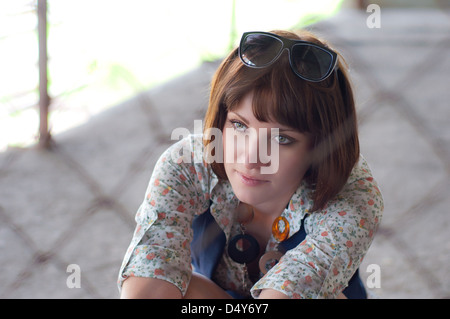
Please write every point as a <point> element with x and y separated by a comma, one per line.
<point>238,126</point>
<point>283,140</point>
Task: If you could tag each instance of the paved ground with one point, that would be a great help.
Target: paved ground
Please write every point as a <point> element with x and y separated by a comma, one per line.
<point>76,203</point>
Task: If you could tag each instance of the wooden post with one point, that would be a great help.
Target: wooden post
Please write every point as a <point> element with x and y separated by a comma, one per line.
<point>362,4</point>
<point>44,99</point>
<point>233,31</point>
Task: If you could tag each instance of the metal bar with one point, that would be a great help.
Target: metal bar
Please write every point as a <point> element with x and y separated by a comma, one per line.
<point>44,99</point>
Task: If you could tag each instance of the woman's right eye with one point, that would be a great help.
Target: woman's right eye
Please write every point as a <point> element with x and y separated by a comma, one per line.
<point>238,126</point>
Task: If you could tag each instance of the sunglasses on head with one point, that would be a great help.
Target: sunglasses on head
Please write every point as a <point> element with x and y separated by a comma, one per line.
<point>309,61</point>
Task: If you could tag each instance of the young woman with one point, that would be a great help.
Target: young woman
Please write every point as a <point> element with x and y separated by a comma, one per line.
<point>281,204</point>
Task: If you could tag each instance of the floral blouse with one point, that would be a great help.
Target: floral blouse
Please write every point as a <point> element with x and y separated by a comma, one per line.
<point>183,186</point>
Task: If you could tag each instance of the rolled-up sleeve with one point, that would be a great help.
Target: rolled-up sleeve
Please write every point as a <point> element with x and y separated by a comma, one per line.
<point>338,238</point>
<point>160,247</point>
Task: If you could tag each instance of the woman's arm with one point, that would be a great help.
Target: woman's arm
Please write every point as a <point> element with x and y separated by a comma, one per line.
<point>177,191</point>
<point>149,288</point>
<point>274,294</point>
<point>199,287</point>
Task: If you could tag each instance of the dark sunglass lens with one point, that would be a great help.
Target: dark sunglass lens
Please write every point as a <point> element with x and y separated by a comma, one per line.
<point>311,62</point>
<point>259,49</point>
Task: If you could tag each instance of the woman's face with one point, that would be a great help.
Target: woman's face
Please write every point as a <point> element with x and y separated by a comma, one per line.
<point>245,163</point>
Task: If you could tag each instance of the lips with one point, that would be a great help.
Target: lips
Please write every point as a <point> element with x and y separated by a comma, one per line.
<point>250,180</point>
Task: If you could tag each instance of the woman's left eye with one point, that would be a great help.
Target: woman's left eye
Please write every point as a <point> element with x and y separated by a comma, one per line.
<point>283,140</point>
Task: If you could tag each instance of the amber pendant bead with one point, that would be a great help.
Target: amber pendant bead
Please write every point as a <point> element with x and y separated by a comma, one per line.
<point>280,229</point>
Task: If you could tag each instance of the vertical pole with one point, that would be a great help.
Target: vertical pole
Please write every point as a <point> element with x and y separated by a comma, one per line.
<point>44,99</point>
<point>361,4</point>
<point>233,32</point>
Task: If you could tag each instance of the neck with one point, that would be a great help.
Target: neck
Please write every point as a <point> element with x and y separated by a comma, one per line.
<point>269,211</point>
<point>260,226</point>
<point>264,218</point>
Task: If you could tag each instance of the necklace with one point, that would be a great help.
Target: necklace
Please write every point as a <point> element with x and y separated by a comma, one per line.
<point>244,248</point>
<point>280,229</point>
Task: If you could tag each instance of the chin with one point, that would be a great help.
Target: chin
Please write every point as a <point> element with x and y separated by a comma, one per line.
<point>250,196</point>
<point>249,192</point>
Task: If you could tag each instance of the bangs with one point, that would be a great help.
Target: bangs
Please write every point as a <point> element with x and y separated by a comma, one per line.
<point>272,104</point>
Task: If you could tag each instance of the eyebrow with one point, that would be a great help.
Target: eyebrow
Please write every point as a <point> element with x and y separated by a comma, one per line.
<point>281,129</point>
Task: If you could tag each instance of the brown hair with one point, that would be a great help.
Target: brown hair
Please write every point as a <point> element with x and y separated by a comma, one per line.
<point>325,110</point>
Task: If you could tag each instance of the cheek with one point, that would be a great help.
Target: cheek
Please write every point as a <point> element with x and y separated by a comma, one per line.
<point>233,150</point>
<point>228,150</point>
<point>293,165</point>
<point>288,175</point>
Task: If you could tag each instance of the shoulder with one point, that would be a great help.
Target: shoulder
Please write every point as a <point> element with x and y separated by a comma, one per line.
<point>187,150</point>
<point>362,185</point>
<point>361,193</point>
<point>359,204</point>
<point>182,164</point>
<point>184,154</point>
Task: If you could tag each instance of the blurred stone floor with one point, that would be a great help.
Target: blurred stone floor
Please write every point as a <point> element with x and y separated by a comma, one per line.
<point>75,203</point>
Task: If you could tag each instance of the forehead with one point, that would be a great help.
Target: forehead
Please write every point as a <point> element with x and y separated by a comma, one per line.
<point>271,109</point>
<point>245,111</point>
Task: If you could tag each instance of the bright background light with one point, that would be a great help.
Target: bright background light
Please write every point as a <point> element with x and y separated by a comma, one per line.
<point>104,51</point>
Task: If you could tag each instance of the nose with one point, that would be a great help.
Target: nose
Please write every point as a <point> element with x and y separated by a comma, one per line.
<point>251,158</point>
<point>252,151</point>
